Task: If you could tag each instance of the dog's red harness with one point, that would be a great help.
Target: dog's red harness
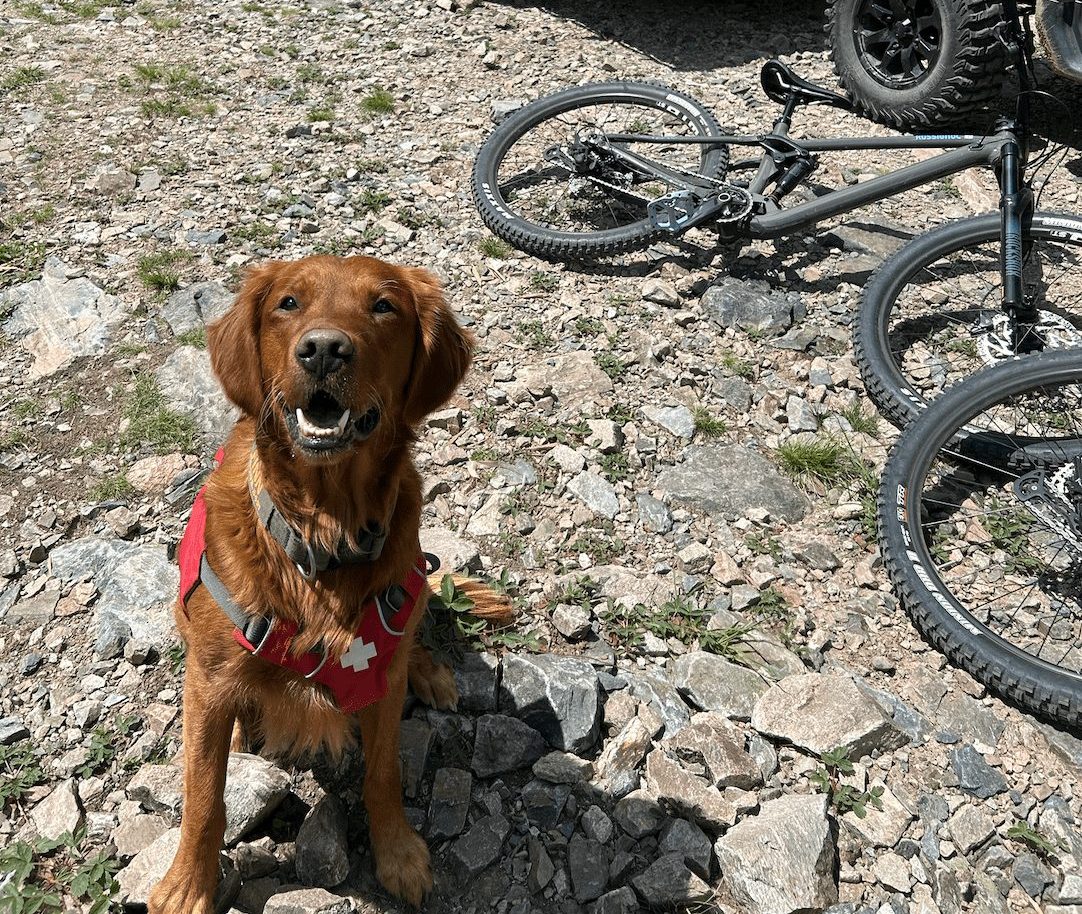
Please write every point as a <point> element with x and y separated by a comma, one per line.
<point>357,678</point>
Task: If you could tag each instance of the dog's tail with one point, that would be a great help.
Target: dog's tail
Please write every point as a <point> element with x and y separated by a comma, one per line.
<point>488,603</point>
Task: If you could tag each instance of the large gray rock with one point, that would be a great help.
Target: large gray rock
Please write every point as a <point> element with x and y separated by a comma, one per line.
<point>617,767</point>
<point>482,845</point>
<point>750,305</point>
<point>504,744</point>
<point>189,386</point>
<point>476,676</point>
<point>199,304</point>
<point>730,480</point>
<point>254,787</point>
<point>663,698</point>
<point>668,882</point>
<point>322,846</point>
<point>57,319</point>
<point>881,827</point>
<point>781,860</point>
<point>824,711</point>
<point>596,493</point>
<point>688,794</point>
<point>307,901</point>
<point>588,862</point>
<point>560,697</point>
<point>970,827</point>
<point>148,867</point>
<point>715,744</point>
<point>454,552</point>
<point>713,683</point>
<point>975,775</point>
<point>574,377</point>
<point>137,583</point>
<point>450,803</point>
<point>59,813</point>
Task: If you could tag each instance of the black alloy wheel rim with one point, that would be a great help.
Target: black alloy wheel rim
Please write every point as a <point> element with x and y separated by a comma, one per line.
<point>899,41</point>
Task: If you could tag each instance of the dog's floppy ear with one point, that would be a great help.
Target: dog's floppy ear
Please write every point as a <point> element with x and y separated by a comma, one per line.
<point>442,352</point>
<point>233,342</point>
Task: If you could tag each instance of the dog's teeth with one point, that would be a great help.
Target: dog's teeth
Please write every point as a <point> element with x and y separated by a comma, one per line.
<point>342,422</point>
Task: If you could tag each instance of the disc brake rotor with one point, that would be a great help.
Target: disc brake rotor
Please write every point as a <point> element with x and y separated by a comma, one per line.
<point>994,337</point>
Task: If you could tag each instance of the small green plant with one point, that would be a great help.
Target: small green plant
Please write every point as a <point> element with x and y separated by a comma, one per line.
<point>1040,844</point>
<point>544,282</point>
<point>844,797</point>
<point>615,466</point>
<point>159,271</point>
<point>324,112</point>
<point>860,421</point>
<point>372,201</point>
<point>196,337</point>
<point>20,261</point>
<point>763,544</point>
<point>20,770</point>
<point>580,591</point>
<point>707,425</point>
<point>823,461</point>
<point>413,218</point>
<point>174,657</point>
<point>151,420</point>
<point>680,618</point>
<point>36,878</point>
<point>588,326</point>
<point>534,335</point>
<point>105,745</point>
<point>1011,529</point>
<point>611,364</point>
<point>494,248</point>
<point>310,73</point>
<point>378,101</point>
<point>112,488</point>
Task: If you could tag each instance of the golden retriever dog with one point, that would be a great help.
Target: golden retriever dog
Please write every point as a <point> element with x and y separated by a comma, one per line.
<point>303,582</point>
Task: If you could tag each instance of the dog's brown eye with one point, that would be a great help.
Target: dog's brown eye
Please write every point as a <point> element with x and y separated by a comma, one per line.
<point>382,306</point>
<point>289,303</point>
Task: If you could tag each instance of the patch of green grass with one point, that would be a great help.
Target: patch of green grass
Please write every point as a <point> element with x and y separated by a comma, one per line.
<point>417,219</point>
<point>112,488</point>
<point>611,364</point>
<point>152,421</point>
<point>738,366</point>
<point>254,231</point>
<point>823,460</point>
<point>159,271</point>
<point>15,439</point>
<point>179,79</point>
<point>544,282</point>
<point>534,335</point>
<point>310,73</point>
<point>391,45</point>
<point>707,425</point>
<point>680,618</point>
<point>324,112</point>
<point>493,247</point>
<point>843,797</point>
<point>1011,529</point>
<point>20,771</point>
<point>378,101</point>
<point>763,544</point>
<point>862,422</point>
<point>164,107</point>
<point>372,166</point>
<point>21,78</point>
<point>196,337</point>
<point>20,261</point>
<point>588,326</point>
<point>35,10</point>
<point>600,546</point>
<point>43,873</point>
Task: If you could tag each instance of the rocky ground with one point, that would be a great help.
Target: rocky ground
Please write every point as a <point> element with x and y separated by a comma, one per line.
<point>710,681</point>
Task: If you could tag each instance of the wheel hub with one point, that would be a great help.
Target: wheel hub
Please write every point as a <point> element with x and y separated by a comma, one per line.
<point>995,340</point>
<point>898,41</point>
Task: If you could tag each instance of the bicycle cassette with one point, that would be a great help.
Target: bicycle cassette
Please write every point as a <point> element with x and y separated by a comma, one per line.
<point>683,209</point>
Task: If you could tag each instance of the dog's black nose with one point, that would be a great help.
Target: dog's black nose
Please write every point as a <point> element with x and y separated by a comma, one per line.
<point>323,352</point>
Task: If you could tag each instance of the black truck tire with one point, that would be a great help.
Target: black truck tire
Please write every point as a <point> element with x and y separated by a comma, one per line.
<point>918,64</point>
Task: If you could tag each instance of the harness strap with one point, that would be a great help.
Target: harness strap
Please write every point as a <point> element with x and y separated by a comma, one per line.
<point>310,558</point>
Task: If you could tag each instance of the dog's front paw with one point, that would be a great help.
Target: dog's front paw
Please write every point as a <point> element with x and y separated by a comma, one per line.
<point>432,682</point>
<point>182,894</point>
<point>403,867</point>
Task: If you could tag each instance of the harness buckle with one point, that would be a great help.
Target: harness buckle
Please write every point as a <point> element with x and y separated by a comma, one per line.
<point>310,574</point>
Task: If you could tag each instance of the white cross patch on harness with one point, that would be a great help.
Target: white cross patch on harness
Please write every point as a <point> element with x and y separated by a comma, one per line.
<point>358,655</point>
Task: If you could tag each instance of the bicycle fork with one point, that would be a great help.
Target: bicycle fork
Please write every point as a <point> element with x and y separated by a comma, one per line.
<point>1016,207</point>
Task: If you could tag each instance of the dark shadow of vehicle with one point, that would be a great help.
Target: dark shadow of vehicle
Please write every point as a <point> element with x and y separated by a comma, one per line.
<point>697,34</point>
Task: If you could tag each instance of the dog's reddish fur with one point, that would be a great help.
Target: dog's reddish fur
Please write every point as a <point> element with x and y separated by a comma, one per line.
<point>408,362</point>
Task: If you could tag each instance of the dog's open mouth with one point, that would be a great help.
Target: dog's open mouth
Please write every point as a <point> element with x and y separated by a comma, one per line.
<point>324,424</point>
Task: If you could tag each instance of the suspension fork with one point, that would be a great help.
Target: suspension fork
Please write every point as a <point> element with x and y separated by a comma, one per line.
<point>1016,207</point>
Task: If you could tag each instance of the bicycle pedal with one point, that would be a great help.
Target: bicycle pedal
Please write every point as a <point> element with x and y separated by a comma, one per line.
<point>674,212</point>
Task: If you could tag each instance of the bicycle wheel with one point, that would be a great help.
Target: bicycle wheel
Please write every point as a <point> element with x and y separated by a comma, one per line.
<point>980,527</point>
<point>931,314</point>
<point>545,182</point>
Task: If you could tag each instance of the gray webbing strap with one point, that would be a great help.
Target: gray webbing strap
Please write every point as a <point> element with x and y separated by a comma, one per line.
<point>254,628</point>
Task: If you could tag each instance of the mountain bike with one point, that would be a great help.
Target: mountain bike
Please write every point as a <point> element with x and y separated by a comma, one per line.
<point>980,528</point>
<point>605,168</point>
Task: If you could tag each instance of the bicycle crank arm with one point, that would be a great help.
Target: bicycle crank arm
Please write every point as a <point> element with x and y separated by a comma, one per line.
<point>684,209</point>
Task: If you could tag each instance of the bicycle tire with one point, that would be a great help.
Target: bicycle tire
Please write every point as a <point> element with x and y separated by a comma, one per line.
<point>943,619</point>
<point>499,214</point>
<point>893,391</point>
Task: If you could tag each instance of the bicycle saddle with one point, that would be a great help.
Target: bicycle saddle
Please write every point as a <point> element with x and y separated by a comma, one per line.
<point>779,82</point>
